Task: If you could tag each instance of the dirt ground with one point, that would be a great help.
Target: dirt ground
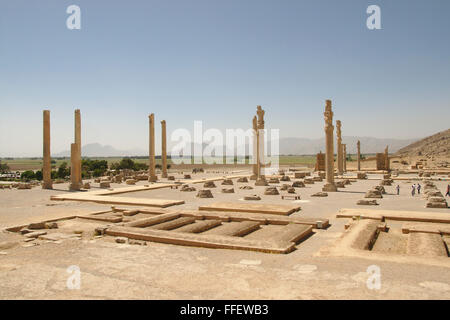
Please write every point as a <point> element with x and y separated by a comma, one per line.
<point>109,270</point>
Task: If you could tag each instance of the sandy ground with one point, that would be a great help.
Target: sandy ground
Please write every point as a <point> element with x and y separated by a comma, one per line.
<point>158,271</point>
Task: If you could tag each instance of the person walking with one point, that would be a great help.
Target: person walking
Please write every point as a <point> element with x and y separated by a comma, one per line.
<point>398,189</point>
<point>413,190</point>
<point>448,191</point>
<point>418,188</point>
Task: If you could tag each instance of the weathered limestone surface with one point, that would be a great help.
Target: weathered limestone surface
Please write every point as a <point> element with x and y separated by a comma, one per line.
<point>164,149</point>
<point>358,155</point>
<point>344,155</point>
<point>426,244</point>
<point>74,161</point>
<point>329,145</point>
<point>281,209</point>
<point>340,164</point>
<point>320,162</point>
<point>152,169</point>
<point>260,179</point>
<point>46,164</point>
<point>78,142</point>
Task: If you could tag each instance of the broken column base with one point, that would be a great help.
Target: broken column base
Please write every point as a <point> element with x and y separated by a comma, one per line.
<point>48,185</point>
<point>75,187</point>
<point>152,179</point>
<point>329,188</point>
<point>261,182</point>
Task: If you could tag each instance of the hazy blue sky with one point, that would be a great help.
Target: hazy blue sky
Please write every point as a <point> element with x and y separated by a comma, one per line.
<point>215,61</point>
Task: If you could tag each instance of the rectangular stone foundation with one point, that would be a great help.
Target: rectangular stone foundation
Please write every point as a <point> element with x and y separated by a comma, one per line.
<point>255,208</point>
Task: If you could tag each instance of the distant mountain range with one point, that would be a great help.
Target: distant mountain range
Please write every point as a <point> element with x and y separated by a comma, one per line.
<point>288,146</point>
<point>99,150</point>
<point>435,145</point>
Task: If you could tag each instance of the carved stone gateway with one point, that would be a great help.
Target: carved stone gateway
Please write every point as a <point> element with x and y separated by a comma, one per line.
<point>329,154</point>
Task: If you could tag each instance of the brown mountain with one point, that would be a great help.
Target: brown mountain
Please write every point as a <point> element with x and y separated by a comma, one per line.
<point>435,145</point>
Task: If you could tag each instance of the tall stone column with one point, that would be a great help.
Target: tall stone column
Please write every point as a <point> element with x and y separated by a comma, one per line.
<point>329,146</point>
<point>74,170</point>
<point>164,149</point>
<point>255,149</point>
<point>151,169</point>
<point>260,179</point>
<point>339,147</point>
<point>47,161</point>
<point>344,156</point>
<point>387,163</point>
<point>358,155</point>
<point>78,143</point>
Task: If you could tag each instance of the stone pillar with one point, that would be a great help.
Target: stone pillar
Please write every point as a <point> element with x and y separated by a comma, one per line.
<point>74,170</point>
<point>151,169</point>
<point>344,156</point>
<point>260,179</point>
<point>387,163</point>
<point>329,146</point>
<point>164,149</point>
<point>47,161</point>
<point>78,142</point>
<point>255,149</point>
<point>339,147</point>
<point>358,155</point>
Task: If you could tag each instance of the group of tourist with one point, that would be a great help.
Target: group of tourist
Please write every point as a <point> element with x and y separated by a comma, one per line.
<point>417,188</point>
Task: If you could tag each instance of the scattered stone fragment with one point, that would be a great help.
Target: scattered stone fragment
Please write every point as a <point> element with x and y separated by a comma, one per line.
<point>228,190</point>
<point>320,194</point>
<point>35,234</point>
<point>284,187</point>
<point>381,189</point>
<point>51,225</point>
<point>209,184</point>
<point>187,176</point>
<point>186,188</point>
<point>285,178</point>
<point>137,242</point>
<point>121,240</point>
<point>436,202</point>
<point>386,182</point>
<point>367,202</point>
<point>246,188</point>
<point>243,179</point>
<point>227,182</point>
<point>100,231</point>
<point>86,185</point>
<point>274,180</point>
<point>340,184</point>
<point>252,197</point>
<point>105,184</point>
<point>36,226</point>
<point>361,175</point>
<point>291,190</point>
<point>171,178</point>
<point>130,181</point>
<point>204,194</point>
<point>298,184</point>
<point>373,193</point>
<point>271,191</point>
